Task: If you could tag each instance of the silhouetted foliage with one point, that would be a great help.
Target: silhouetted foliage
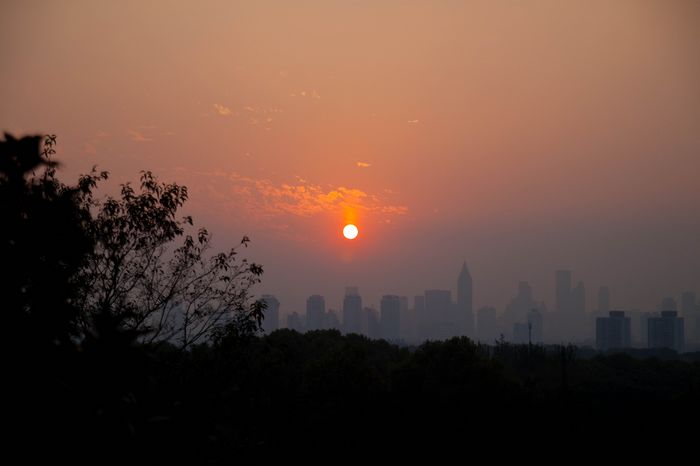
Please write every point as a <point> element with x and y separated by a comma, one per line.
<point>161,290</point>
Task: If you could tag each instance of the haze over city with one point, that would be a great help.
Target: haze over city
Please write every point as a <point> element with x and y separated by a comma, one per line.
<point>524,138</point>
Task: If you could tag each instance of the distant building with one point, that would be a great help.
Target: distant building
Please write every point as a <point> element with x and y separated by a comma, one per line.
<point>666,331</point>
<point>332,321</point>
<point>563,291</point>
<point>371,319</point>
<point>439,325</point>
<point>315,312</point>
<point>390,317</point>
<point>530,331</point>
<point>668,304</point>
<point>271,321</point>
<point>613,332</point>
<point>352,311</point>
<point>486,325</point>
<point>294,322</point>
<point>465,302</point>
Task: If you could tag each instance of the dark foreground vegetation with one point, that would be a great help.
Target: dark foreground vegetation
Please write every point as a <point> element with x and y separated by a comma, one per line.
<point>126,339</point>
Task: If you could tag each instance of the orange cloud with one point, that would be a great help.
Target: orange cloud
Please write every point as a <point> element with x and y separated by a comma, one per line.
<point>363,164</point>
<point>265,200</point>
<point>222,110</point>
<point>137,136</point>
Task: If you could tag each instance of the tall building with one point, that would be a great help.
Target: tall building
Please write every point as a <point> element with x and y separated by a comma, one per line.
<point>390,317</point>
<point>563,291</point>
<point>578,299</point>
<point>439,324</point>
<point>271,321</point>
<point>529,331</point>
<point>315,312</point>
<point>668,304</point>
<point>486,325</point>
<point>352,311</point>
<point>465,302</point>
<point>421,317</point>
<point>666,331</point>
<point>604,299</point>
<point>613,332</point>
<point>294,322</point>
<point>371,320</point>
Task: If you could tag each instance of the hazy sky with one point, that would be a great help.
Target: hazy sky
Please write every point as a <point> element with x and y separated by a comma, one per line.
<point>522,136</point>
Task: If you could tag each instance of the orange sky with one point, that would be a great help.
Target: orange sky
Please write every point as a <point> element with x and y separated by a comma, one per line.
<point>522,136</point>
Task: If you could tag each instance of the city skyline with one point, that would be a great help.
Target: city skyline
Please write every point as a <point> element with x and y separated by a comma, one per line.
<point>442,313</point>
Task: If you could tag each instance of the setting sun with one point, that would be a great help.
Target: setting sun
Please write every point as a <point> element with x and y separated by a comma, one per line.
<point>350,231</point>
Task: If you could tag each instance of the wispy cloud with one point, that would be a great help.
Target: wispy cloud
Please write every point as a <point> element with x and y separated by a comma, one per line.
<point>303,93</point>
<point>137,136</point>
<point>268,202</point>
<point>363,164</point>
<point>222,110</point>
<point>413,122</point>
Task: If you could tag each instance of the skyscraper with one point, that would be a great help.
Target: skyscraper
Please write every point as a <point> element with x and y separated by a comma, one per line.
<point>390,317</point>
<point>666,331</point>
<point>486,325</point>
<point>613,332</point>
<point>271,321</point>
<point>465,302</point>
<point>437,309</point>
<point>578,299</point>
<point>352,311</point>
<point>563,291</point>
<point>315,312</point>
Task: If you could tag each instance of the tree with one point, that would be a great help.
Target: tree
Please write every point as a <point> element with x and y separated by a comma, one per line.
<point>159,290</point>
<point>74,265</point>
<point>44,242</point>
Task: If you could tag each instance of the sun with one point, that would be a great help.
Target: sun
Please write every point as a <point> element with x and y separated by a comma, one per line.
<point>350,231</point>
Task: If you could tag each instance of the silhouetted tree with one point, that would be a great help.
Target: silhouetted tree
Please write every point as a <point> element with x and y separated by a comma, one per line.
<point>44,241</point>
<point>163,290</point>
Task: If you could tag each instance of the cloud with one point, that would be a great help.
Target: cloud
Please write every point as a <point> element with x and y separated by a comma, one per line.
<point>363,164</point>
<point>137,136</point>
<point>223,111</point>
<point>268,203</point>
<point>413,122</point>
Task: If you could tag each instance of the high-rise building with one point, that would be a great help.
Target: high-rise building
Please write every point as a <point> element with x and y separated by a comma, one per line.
<point>563,291</point>
<point>390,317</point>
<point>613,332</point>
<point>332,320</point>
<point>438,304</point>
<point>465,302</point>
<point>315,312</point>
<point>604,299</point>
<point>530,331</point>
<point>668,304</point>
<point>486,325</point>
<point>271,321</point>
<point>666,331</point>
<point>294,322</point>
<point>352,311</point>
<point>373,329</point>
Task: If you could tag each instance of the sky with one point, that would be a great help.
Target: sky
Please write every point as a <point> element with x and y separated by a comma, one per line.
<point>522,137</point>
